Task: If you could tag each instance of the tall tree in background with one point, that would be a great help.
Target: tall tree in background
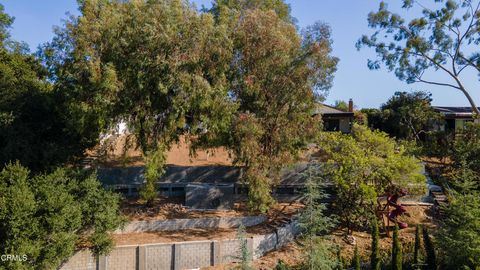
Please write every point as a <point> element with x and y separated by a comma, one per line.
<point>341,105</point>
<point>408,115</point>
<point>157,65</point>
<point>275,79</point>
<point>444,38</point>
<point>33,123</point>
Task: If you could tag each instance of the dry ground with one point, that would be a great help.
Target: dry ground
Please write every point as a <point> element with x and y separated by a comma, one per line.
<point>292,254</point>
<point>162,209</point>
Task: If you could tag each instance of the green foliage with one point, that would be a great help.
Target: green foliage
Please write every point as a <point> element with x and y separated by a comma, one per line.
<point>397,260</point>
<point>375,259</point>
<point>46,216</point>
<point>417,248</point>
<point>33,128</point>
<point>341,105</point>
<point>281,266</point>
<point>154,168</point>
<point>408,115</point>
<point>340,261</point>
<point>245,255</point>
<point>6,22</point>
<point>443,38</point>
<point>314,223</point>
<point>275,80</point>
<point>466,148</point>
<point>431,257</point>
<point>232,9</point>
<point>125,61</point>
<point>356,264</point>
<point>459,235</point>
<point>362,165</point>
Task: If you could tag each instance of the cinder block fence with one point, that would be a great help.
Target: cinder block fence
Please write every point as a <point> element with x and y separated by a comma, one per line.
<point>181,255</point>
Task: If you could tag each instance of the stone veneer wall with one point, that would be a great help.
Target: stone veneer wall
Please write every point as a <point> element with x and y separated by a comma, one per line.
<point>182,255</point>
<point>183,224</point>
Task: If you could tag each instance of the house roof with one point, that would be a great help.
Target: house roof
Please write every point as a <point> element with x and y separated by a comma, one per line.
<point>454,111</point>
<point>327,110</point>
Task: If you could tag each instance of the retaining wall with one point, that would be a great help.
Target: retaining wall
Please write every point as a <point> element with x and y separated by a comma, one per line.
<point>183,224</point>
<point>183,255</point>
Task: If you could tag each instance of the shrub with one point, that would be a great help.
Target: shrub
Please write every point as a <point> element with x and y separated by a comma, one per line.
<point>431,259</point>
<point>356,259</point>
<point>396,251</point>
<point>375,260</point>
<point>44,217</point>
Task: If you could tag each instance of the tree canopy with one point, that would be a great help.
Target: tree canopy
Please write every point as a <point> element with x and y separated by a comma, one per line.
<point>33,120</point>
<point>276,78</point>
<point>406,115</point>
<point>443,38</point>
<point>167,70</point>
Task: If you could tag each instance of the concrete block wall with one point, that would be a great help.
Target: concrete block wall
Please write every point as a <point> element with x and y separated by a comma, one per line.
<point>182,255</point>
<point>182,224</point>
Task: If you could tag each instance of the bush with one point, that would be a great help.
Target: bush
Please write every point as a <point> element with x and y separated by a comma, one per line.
<point>356,259</point>
<point>362,166</point>
<point>431,259</point>
<point>397,260</point>
<point>417,249</point>
<point>375,259</point>
<point>44,217</point>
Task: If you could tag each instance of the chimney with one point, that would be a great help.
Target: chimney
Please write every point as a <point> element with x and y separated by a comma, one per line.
<point>350,105</point>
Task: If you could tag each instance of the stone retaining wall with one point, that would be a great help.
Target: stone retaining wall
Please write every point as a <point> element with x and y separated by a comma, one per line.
<point>183,255</point>
<point>183,224</point>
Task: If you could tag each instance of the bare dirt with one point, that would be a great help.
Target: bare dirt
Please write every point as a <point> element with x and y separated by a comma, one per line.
<point>280,213</point>
<point>168,208</point>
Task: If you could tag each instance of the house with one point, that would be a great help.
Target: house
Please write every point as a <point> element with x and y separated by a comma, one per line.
<point>208,180</point>
<point>335,119</point>
<point>455,117</point>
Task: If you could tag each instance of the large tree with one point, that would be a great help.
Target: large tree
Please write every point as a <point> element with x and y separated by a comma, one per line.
<point>276,77</point>
<point>33,121</point>
<point>406,115</point>
<point>444,38</point>
<point>157,65</point>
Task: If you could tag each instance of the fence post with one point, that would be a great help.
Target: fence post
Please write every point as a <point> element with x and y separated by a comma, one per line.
<point>142,258</point>
<point>102,262</point>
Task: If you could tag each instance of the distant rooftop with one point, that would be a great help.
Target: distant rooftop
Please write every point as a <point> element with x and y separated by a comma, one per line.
<point>454,111</point>
<point>324,109</point>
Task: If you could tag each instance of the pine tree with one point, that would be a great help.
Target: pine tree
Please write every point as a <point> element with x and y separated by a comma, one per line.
<point>416,252</point>
<point>356,259</point>
<point>431,259</point>
<point>396,251</point>
<point>375,260</point>
<point>314,223</point>
<point>245,254</point>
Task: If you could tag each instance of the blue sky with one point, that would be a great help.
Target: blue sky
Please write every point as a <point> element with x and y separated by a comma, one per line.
<point>34,21</point>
